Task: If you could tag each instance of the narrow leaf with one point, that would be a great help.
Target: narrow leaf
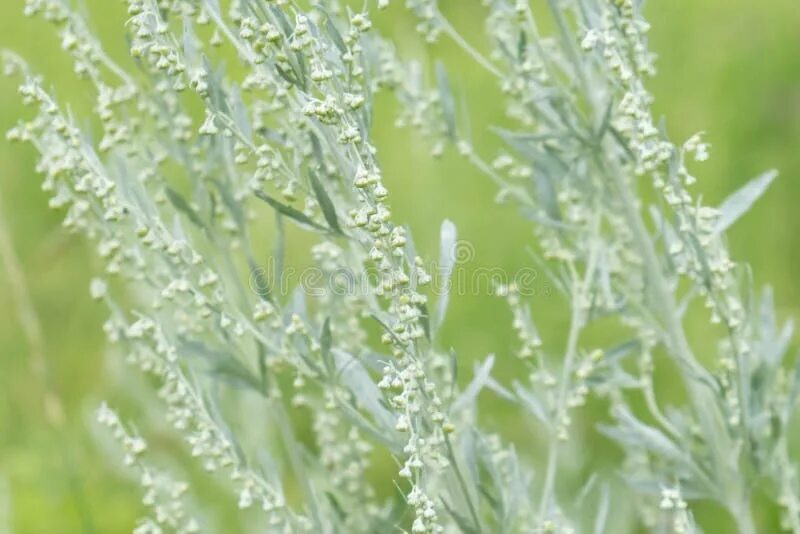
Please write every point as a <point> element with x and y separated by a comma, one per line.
<point>325,341</point>
<point>282,21</point>
<point>280,242</point>
<point>379,435</point>
<point>316,149</point>
<point>606,121</point>
<point>463,523</point>
<point>634,433</point>
<point>357,379</point>
<point>602,511</point>
<point>531,403</point>
<point>447,258</point>
<point>470,394</point>
<point>742,200</point>
<point>191,53</point>
<point>231,203</point>
<point>183,206</point>
<point>333,31</point>
<point>325,203</point>
<point>424,320</point>
<point>298,216</point>
<point>236,374</point>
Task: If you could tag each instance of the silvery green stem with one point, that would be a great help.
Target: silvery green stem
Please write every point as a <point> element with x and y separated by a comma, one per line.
<point>576,321</point>
<point>467,47</point>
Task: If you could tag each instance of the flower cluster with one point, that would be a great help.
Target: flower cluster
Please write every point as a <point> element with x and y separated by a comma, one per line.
<point>164,496</point>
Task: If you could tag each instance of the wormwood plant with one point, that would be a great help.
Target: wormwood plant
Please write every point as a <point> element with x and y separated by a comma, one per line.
<point>190,160</point>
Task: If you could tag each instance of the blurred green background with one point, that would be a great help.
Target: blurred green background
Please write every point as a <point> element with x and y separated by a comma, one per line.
<point>728,67</point>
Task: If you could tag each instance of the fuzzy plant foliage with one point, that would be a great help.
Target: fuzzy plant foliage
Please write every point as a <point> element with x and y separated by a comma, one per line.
<point>287,401</point>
